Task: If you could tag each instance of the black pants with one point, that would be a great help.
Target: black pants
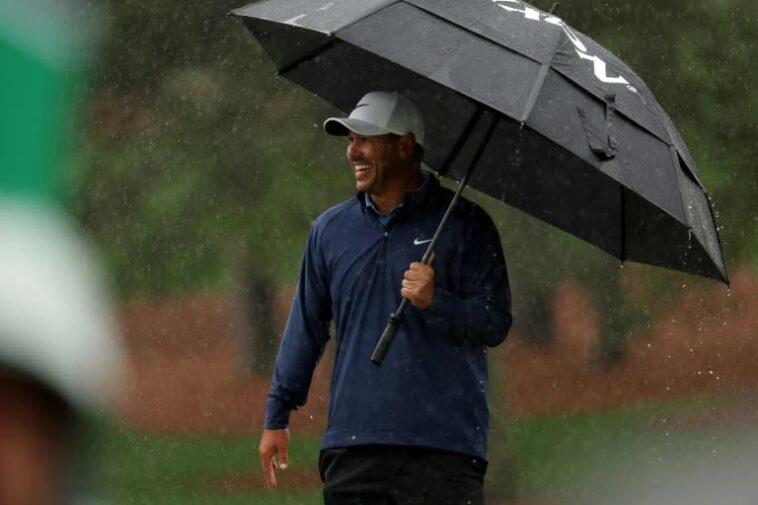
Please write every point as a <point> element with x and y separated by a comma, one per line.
<point>390,475</point>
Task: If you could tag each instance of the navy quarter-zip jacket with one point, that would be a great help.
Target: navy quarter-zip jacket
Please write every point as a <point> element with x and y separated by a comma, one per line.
<point>431,390</point>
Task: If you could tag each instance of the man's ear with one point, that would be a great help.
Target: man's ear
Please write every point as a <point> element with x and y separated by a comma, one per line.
<point>408,144</point>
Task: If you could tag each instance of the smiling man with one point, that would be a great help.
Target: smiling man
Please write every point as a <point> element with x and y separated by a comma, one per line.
<point>414,430</point>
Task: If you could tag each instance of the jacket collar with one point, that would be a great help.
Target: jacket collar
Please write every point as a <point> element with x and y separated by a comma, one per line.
<point>429,185</point>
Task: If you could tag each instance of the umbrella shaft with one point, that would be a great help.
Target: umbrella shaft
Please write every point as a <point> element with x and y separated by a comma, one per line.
<point>396,318</point>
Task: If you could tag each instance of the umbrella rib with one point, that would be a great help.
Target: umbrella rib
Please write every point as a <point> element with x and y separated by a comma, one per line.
<point>540,81</point>
<point>313,54</point>
<point>677,173</point>
<point>461,140</point>
<point>536,88</point>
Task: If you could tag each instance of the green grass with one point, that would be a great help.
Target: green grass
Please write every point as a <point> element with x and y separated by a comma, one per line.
<point>592,456</point>
<point>136,468</point>
<point>580,457</point>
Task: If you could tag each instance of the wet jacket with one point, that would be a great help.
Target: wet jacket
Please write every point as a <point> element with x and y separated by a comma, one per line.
<point>431,390</point>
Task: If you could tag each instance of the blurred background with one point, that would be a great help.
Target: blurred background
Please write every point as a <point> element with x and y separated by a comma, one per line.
<point>196,174</point>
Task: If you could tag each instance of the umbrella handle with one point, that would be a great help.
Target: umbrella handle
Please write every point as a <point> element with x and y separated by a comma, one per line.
<point>388,335</point>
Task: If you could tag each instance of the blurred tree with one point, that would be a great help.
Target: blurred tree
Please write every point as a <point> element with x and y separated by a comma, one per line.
<point>255,292</point>
<point>194,146</point>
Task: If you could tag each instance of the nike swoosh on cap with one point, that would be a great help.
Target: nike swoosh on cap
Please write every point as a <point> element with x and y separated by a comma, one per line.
<point>419,242</point>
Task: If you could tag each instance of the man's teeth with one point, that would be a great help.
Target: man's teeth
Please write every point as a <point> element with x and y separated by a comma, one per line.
<point>361,168</point>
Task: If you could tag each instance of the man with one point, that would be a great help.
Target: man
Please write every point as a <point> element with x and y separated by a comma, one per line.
<point>415,429</point>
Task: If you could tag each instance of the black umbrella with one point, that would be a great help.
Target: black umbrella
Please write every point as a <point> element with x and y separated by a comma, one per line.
<point>550,121</point>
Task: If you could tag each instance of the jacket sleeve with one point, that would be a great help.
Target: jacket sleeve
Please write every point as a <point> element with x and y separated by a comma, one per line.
<point>304,338</point>
<point>481,312</point>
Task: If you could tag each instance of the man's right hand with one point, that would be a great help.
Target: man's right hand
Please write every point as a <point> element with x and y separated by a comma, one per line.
<point>273,453</point>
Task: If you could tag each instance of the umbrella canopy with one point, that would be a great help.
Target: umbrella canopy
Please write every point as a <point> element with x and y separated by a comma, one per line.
<point>553,123</point>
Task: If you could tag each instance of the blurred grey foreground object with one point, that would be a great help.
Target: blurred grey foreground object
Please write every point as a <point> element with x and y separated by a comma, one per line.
<point>59,356</point>
<point>579,141</point>
<point>56,322</point>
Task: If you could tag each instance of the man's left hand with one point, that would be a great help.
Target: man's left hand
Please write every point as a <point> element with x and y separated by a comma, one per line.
<point>418,284</point>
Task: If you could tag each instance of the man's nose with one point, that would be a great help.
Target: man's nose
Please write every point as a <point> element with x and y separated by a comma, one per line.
<point>352,150</point>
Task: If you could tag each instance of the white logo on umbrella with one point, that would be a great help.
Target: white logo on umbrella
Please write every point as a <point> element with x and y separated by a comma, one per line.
<point>599,66</point>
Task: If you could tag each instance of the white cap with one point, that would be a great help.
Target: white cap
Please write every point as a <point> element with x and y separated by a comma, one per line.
<point>56,323</point>
<point>380,113</point>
